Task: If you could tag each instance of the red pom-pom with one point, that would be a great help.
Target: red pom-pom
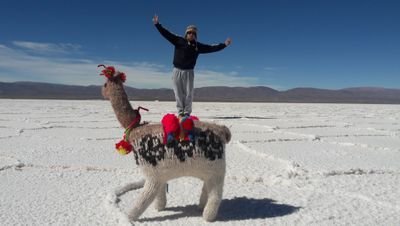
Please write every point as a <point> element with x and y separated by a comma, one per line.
<point>178,130</point>
<point>194,118</point>
<point>170,123</point>
<point>122,76</point>
<point>123,147</point>
<point>187,124</point>
<point>108,72</point>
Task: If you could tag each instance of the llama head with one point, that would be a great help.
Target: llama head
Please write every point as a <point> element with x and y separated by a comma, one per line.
<point>114,79</point>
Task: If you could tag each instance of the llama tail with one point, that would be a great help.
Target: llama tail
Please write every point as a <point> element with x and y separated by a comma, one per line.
<point>112,199</point>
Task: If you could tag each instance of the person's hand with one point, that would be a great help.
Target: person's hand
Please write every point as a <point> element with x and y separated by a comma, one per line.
<point>155,19</point>
<point>228,41</point>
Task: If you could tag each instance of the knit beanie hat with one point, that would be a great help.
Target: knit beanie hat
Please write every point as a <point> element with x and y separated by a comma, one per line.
<point>191,28</point>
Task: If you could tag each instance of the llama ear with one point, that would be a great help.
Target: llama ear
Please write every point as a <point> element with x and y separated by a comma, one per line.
<point>120,75</point>
<point>111,74</point>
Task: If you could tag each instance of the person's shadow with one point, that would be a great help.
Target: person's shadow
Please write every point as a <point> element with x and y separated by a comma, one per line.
<point>238,208</point>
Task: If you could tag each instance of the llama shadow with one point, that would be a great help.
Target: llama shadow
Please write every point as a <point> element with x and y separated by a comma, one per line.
<point>243,208</point>
<point>238,208</point>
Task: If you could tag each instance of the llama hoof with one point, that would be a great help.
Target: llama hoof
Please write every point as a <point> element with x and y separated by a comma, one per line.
<point>209,218</point>
<point>210,211</point>
<point>133,217</point>
<point>160,208</point>
<point>160,204</point>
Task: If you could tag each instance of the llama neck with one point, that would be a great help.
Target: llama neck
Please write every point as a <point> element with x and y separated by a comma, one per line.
<point>122,108</point>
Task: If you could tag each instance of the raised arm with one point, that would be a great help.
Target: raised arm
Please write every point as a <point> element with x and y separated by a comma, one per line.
<point>203,48</point>
<point>164,32</point>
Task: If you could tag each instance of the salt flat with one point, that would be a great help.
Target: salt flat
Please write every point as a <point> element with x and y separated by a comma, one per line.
<point>287,164</point>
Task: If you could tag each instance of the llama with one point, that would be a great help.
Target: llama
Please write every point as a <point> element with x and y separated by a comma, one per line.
<point>159,162</point>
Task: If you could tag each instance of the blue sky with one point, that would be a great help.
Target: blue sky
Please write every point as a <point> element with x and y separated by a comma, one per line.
<point>282,44</point>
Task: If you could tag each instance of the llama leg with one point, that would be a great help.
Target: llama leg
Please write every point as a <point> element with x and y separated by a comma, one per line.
<point>161,199</point>
<point>203,196</point>
<point>150,190</point>
<point>215,188</point>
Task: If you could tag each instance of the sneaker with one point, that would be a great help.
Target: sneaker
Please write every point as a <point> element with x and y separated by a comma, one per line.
<point>183,118</point>
<point>181,114</point>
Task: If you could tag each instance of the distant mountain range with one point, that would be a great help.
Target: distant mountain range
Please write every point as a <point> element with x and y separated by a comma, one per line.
<point>373,95</point>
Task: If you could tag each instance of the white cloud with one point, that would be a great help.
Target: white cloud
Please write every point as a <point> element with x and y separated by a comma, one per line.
<point>212,78</point>
<point>270,68</point>
<point>233,73</point>
<point>17,64</point>
<point>47,47</point>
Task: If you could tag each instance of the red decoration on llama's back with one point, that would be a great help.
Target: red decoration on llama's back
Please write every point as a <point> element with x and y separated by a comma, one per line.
<point>175,130</point>
<point>171,126</point>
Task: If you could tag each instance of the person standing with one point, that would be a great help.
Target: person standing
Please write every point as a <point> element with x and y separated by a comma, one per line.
<point>187,49</point>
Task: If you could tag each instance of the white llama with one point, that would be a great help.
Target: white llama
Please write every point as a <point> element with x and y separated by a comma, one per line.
<point>159,161</point>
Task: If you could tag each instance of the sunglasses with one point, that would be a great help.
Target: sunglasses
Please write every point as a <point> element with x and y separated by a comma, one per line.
<point>191,32</point>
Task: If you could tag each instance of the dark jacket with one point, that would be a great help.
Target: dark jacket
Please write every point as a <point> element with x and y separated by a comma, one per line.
<point>186,53</point>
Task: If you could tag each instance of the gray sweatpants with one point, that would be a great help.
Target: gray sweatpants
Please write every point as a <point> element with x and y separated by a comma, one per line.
<point>182,81</point>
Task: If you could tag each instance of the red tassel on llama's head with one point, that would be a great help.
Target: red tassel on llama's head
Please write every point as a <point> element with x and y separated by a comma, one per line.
<point>114,80</point>
<point>111,74</point>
